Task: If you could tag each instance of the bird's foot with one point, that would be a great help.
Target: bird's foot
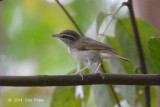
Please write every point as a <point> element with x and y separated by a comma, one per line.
<point>96,72</point>
<point>99,73</point>
<point>78,73</point>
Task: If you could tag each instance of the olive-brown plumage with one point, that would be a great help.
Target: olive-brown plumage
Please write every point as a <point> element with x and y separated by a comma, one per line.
<point>86,49</point>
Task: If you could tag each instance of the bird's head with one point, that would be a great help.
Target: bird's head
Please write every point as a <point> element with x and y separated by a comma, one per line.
<point>67,36</point>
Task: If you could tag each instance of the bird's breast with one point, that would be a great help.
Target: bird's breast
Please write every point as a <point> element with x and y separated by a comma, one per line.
<point>77,54</point>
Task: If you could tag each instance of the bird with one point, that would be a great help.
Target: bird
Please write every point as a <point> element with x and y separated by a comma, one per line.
<point>86,49</point>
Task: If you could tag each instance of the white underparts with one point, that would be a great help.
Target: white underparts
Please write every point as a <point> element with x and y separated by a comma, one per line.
<point>106,55</point>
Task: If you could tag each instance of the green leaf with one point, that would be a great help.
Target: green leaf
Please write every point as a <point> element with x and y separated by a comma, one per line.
<point>65,97</point>
<point>100,19</point>
<point>125,39</point>
<point>127,66</point>
<point>154,46</point>
<point>102,96</point>
<point>91,100</point>
<point>84,11</point>
<point>128,93</point>
<point>140,96</point>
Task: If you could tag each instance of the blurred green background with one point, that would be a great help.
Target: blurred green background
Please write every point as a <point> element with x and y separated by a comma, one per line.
<point>26,48</point>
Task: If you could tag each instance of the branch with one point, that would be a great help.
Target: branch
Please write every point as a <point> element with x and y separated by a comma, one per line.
<point>69,16</point>
<point>140,50</point>
<point>137,39</point>
<point>72,80</point>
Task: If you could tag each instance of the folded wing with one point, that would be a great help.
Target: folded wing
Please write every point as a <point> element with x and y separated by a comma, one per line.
<point>92,44</point>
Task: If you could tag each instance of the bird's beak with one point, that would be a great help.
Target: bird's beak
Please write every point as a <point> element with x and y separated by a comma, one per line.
<point>54,35</point>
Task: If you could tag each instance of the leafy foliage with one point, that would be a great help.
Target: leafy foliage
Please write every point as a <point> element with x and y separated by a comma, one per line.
<point>154,46</point>
<point>101,100</point>
<point>27,25</point>
<point>68,99</point>
<point>125,38</point>
<point>65,97</point>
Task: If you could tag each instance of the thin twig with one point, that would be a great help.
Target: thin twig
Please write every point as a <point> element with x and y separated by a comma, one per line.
<point>72,80</point>
<point>111,87</point>
<point>112,16</point>
<point>69,16</point>
<point>140,51</point>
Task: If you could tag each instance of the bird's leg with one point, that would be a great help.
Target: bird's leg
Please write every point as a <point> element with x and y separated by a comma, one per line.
<point>99,64</point>
<point>79,72</point>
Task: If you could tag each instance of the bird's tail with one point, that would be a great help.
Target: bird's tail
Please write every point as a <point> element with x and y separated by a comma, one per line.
<point>120,57</point>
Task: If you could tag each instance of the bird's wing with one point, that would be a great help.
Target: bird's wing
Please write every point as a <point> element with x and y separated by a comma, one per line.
<point>91,44</point>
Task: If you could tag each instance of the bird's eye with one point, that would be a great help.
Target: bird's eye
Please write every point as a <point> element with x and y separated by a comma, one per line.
<point>67,37</point>
<point>63,36</point>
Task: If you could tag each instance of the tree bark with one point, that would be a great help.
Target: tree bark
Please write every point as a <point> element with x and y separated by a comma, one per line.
<point>72,80</point>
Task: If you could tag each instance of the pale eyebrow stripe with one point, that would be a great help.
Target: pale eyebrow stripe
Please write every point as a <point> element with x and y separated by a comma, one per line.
<point>70,36</point>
